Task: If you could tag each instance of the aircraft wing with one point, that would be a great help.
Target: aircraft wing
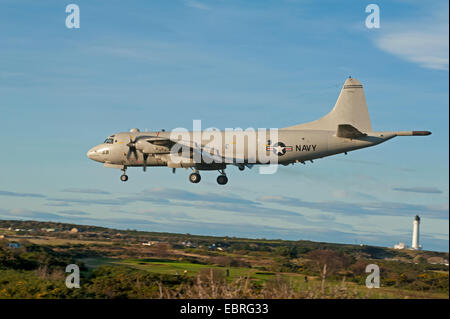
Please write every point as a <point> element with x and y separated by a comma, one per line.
<point>213,154</point>
<point>205,151</point>
<point>159,140</point>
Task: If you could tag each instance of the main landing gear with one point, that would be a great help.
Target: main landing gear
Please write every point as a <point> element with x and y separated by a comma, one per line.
<point>195,177</point>
<point>222,179</point>
<point>124,177</point>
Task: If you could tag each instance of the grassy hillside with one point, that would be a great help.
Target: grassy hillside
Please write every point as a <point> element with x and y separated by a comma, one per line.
<point>135,264</point>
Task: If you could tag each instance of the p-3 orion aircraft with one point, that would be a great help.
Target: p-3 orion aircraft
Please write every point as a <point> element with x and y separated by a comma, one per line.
<point>346,128</point>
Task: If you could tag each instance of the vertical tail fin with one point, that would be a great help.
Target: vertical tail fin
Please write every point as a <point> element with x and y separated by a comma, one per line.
<point>350,108</point>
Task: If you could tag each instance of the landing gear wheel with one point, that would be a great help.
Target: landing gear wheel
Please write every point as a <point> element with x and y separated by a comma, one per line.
<point>123,178</point>
<point>241,167</point>
<point>195,178</point>
<point>222,179</point>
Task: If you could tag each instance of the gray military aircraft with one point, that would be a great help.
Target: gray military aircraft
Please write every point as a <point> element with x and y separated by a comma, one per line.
<point>346,128</point>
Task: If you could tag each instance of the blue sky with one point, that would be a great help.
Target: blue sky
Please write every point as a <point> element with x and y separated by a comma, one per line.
<point>162,64</point>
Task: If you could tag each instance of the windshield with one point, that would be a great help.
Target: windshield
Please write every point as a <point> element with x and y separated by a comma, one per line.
<point>109,140</point>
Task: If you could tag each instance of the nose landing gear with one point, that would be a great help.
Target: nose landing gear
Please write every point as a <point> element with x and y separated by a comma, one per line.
<point>124,177</point>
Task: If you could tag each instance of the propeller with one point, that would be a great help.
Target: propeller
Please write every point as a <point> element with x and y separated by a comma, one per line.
<point>132,148</point>
<point>145,162</point>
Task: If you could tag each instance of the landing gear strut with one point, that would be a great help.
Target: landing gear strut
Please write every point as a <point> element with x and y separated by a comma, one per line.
<point>222,179</point>
<point>124,177</point>
<point>195,177</point>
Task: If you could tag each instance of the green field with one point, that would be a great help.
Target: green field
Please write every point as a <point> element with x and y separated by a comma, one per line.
<point>173,267</point>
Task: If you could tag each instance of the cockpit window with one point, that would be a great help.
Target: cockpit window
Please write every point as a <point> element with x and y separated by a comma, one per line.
<point>109,140</point>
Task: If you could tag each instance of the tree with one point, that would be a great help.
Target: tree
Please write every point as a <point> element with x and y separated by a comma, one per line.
<point>333,261</point>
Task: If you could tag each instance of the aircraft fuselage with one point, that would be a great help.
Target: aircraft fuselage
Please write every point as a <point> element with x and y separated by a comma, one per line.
<point>347,127</point>
<point>296,146</point>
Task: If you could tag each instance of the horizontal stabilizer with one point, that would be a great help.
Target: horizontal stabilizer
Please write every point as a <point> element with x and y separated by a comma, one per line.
<point>349,131</point>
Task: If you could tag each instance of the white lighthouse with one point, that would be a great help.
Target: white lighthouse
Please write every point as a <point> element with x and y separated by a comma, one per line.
<point>415,236</point>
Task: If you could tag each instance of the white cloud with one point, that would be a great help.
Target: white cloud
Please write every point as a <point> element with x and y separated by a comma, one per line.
<point>422,42</point>
<point>85,191</point>
<point>196,5</point>
<point>339,194</point>
<point>426,49</point>
<point>423,190</point>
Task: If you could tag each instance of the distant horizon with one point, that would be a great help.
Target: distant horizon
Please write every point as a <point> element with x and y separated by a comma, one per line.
<point>222,236</point>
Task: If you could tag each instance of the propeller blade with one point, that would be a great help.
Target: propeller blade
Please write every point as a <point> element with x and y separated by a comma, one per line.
<point>132,148</point>
<point>173,170</point>
<point>145,162</point>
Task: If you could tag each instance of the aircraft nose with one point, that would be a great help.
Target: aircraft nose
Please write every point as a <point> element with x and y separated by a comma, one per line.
<point>91,153</point>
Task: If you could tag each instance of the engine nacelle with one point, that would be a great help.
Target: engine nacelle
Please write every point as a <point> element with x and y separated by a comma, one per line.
<point>150,148</point>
